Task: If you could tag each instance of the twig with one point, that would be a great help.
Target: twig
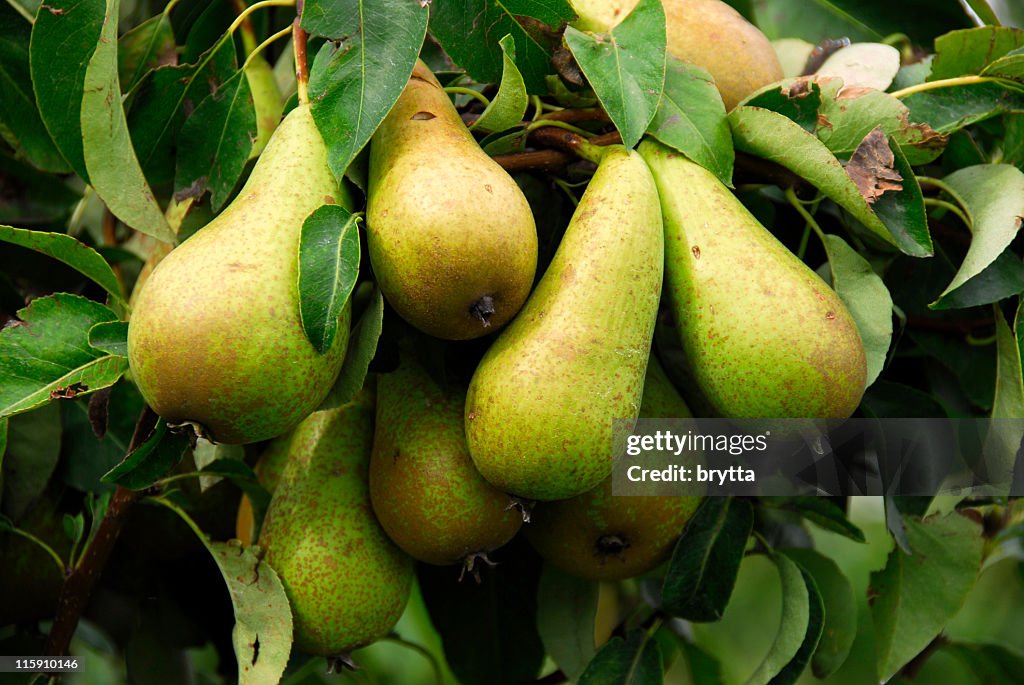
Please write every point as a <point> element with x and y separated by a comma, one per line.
<point>550,160</point>
<point>79,582</point>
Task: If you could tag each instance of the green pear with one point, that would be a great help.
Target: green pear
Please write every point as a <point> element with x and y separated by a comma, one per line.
<point>764,336</point>
<point>346,581</point>
<point>266,100</point>
<point>602,536</point>
<point>541,403</point>
<point>425,490</point>
<point>215,336</point>
<point>708,33</point>
<point>450,235</point>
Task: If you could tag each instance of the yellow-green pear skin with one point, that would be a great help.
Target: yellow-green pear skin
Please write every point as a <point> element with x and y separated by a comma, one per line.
<point>427,494</point>
<point>266,100</point>
<point>764,336</point>
<point>601,536</point>
<point>347,583</point>
<point>451,236</point>
<point>708,33</point>
<point>541,403</point>
<point>215,336</point>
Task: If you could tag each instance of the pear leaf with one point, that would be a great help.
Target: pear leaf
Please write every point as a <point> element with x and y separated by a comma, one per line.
<point>110,337</point>
<point>70,251</point>
<point>362,346</point>
<point>32,453</point>
<point>950,109</point>
<point>1009,397</point>
<point>509,105</point>
<point>566,610</point>
<point>993,195</point>
<point>970,51</point>
<point>1009,66</point>
<point>151,460</point>
<point>691,119</point>
<point>47,354</point>
<point>147,46</point>
<point>328,268</point>
<point>863,65</point>
<point>215,141</point>
<point>626,67</point>
<point>635,660</point>
<point>916,594</point>
<point>352,86</point>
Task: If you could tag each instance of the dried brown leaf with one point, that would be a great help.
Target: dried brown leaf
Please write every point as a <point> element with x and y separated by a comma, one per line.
<point>871,167</point>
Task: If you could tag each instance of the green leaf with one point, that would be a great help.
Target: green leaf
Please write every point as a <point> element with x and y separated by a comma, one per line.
<point>990,663</point>
<point>64,38</point>
<point>467,30</point>
<point>206,454</point>
<point>110,337</point>
<point>914,596</point>
<point>147,46</point>
<point>150,461</point>
<point>262,636</point>
<point>1001,279</point>
<point>866,297</point>
<point>803,618</point>
<point>162,102</point>
<point>38,199</point>
<point>20,123</point>
<point>691,119</point>
<point>969,51</point>
<point>948,110</point>
<point>635,660</point>
<point>328,268</point>
<point>47,355</point>
<point>87,458</point>
<point>993,195</point>
<point>566,610</point>
<point>215,141</point>
<point>362,346</point>
<point>702,572</point>
<point>66,249</point>
<point>863,65</point>
<point>820,511</point>
<point>1009,66</point>
<point>114,171</point>
<point>32,452</point>
<point>840,626</point>
<point>702,668</point>
<point>353,86</point>
<point>1009,391</point>
<point>626,68</point>
<point>773,136</point>
<point>509,105</point>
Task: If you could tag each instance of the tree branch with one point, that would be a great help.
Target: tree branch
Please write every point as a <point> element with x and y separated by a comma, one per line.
<point>80,580</point>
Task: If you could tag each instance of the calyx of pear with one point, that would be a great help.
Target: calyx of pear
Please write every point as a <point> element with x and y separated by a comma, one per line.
<point>764,336</point>
<point>451,237</point>
<point>215,336</point>
<point>708,33</point>
<point>541,403</point>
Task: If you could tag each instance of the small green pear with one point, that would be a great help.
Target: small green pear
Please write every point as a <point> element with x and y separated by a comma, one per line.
<point>215,336</point>
<point>425,490</point>
<point>346,581</point>
<point>602,536</point>
<point>450,235</point>
<point>708,33</point>
<point>266,100</point>
<point>764,336</point>
<point>541,403</point>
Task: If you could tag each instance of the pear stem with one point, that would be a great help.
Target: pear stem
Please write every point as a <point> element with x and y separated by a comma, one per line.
<point>567,140</point>
<point>248,33</point>
<point>943,83</point>
<point>259,48</point>
<point>243,15</point>
<point>459,90</point>
<point>807,216</point>
<point>301,63</point>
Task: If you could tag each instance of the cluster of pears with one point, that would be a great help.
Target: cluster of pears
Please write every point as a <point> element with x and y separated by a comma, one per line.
<point>409,470</point>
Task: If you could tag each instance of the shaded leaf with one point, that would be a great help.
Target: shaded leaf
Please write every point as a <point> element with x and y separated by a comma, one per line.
<point>32,452</point>
<point>1001,279</point>
<point>820,511</point>
<point>706,560</point>
<point>803,618</point>
<point>147,46</point>
<point>990,663</point>
<point>362,346</point>
<point>691,119</point>
<point>626,67</point>
<point>215,141</point>
<point>151,460</point>
<point>66,249</point>
<point>110,337</point>
<point>635,660</point>
<point>328,268</point>
<point>47,354</point>
<point>566,611</point>
<point>509,105</point>
<point>916,594</point>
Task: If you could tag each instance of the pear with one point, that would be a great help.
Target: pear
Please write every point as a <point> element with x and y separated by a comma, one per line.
<point>346,581</point>
<point>601,536</point>
<point>541,403</point>
<point>215,336</point>
<point>450,235</point>
<point>708,33</point>
<point>266,100</point>
<point>764,336</point>
<point>425,490</point>
<point>268,472</point>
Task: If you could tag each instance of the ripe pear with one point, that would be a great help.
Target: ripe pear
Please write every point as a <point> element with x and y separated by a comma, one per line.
<point>346,581</point>
<point>215,336</point>
<point>450,235</point>
<point>601,536</point>
<point>425,490</point>
<point>764,336</point>
<point>708,33</point>
<point>541,403</point>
